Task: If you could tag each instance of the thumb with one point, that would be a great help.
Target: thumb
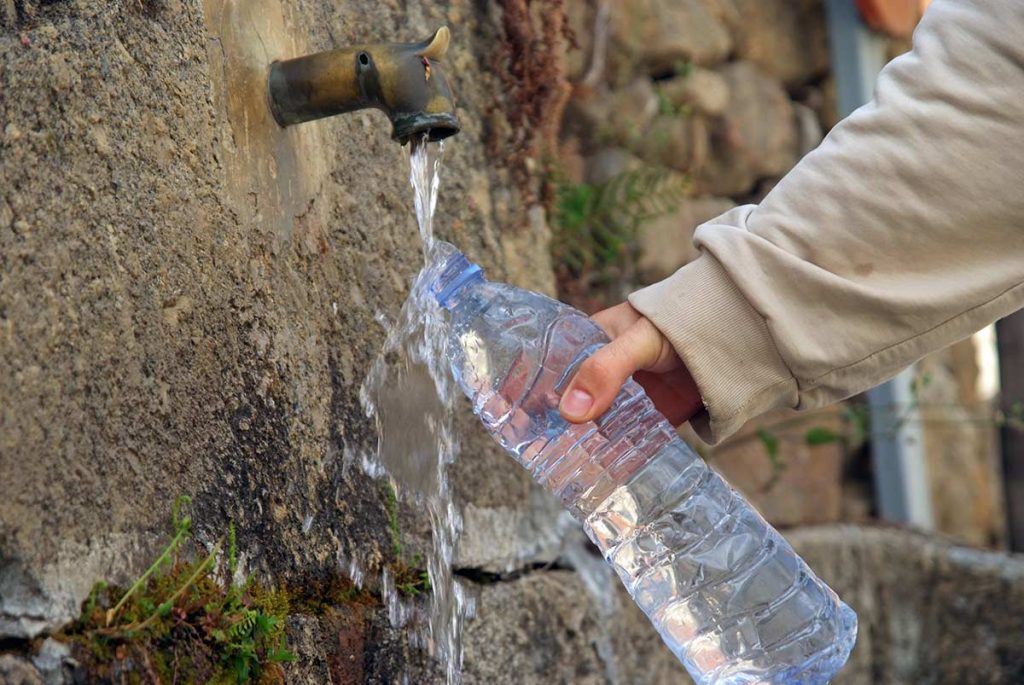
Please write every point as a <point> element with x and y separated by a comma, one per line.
<point>599,378</point>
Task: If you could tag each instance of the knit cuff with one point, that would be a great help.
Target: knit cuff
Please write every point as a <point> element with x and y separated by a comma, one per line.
<point>724,342</point>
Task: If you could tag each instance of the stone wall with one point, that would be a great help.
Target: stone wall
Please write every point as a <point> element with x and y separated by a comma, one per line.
<point>188,303</point>
<point>930,611</point>
<point>730,93</point>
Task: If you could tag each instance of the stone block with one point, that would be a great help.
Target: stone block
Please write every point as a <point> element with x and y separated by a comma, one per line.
<point>802,483</point>
<point>17,671</point>
<point>666,242</point>
<point>809,133</point>
<point>609,162</point>
<point>756,137</point>
<point>929,611</point>
<point>617,117</point>
<point>961,448</point>
<point>675,141</point>
<point>788,39</point>
<point>657,36</point>
<point>499,539</point>
<point>703,90</point>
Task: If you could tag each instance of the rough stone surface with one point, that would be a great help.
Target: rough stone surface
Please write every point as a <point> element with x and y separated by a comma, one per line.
<point>756,138</point>
<point>802,485</point>
<point>929,611</point>
<point>353,645</point>
<point>17,671</point>
<point>188,295</point>
<point>666,242</point>
<point>659,35</point>
<point>544,628</point>
<point>503,538</point>
<point>189,301</point>
<point>703,90</point>
<point>50,659</point>
<point>786,38</point>
<point>546,616</point>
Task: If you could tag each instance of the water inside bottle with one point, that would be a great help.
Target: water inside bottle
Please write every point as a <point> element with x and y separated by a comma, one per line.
<point>726,592</point>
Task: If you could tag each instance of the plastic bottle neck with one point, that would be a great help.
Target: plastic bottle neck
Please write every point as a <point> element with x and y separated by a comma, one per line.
<point>456,274</point>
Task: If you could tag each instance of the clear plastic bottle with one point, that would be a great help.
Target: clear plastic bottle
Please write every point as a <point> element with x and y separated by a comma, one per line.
<point>726,592</point>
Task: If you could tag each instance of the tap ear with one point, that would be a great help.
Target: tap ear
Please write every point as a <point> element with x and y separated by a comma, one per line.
<point>438,45</point>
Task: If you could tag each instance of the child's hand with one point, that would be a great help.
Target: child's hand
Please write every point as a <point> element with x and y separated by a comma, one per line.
<point>637,349</point>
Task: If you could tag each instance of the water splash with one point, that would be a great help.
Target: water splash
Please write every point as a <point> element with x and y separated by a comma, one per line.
<point>409,394</point>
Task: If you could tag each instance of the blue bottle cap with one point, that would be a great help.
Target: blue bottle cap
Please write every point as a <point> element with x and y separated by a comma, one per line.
<point>456,273</point>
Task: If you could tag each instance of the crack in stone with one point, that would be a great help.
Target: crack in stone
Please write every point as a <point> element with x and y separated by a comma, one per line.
<point>480,576</point>
<point>18,646</point>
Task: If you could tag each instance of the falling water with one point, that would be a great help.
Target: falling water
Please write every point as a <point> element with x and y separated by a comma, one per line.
<point>410,395</point>
<point>425,176</point>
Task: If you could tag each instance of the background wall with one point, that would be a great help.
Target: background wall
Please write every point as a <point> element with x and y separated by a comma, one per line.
<point>682,109</point>
<point>188,300</point>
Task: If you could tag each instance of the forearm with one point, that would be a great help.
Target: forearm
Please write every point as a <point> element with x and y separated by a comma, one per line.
<point>901,233</point>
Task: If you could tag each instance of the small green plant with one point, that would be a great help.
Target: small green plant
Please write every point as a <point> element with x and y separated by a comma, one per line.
<point>820,435</point>
<point>595,226</point>
<point>1012,418</point>
<point>179,622</point>
<point>668,108</point>
<point>411,579</point>
<point>770,441</point>
<point>391,502</point>
<point>856,427</point>
<point>683,68</point>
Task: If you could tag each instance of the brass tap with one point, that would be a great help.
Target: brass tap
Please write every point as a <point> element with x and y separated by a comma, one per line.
<point>406,81</point>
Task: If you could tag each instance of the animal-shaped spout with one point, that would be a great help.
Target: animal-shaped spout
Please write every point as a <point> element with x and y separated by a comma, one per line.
<point>404,80</point>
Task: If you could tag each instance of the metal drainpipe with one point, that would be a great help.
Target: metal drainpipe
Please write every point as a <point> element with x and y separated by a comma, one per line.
<point>902,487</point>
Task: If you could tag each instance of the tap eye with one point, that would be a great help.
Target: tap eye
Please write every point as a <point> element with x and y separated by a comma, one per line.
<point>364,59</point>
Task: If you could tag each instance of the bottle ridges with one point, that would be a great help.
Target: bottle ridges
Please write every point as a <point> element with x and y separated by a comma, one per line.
<point>725,591</point>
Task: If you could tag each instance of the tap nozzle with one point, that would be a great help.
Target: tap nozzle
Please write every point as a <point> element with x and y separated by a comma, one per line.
<point>406,81</point>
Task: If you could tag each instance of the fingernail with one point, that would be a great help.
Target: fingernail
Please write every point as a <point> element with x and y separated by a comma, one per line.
<point>577,402</point>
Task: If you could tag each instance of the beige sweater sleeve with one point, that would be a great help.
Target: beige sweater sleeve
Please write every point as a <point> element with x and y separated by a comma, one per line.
<point>902,233</point>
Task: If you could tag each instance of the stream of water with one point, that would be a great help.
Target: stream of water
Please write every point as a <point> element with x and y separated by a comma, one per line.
<point>410,395</point>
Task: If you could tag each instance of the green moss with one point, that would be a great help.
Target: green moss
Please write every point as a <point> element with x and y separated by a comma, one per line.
<point>180,622</point>
<point>317,598</point>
